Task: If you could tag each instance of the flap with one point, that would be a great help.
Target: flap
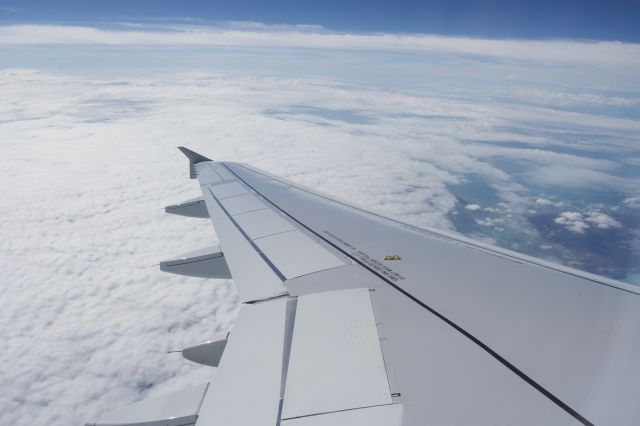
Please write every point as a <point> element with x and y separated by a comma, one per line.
<point>336,361</point>
<point>248,380</point>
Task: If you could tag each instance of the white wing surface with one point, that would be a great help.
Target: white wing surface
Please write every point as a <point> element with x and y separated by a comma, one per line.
<point>350,318</point>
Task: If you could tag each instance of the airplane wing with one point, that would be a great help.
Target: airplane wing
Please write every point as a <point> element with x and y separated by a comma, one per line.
<point>351,318</point>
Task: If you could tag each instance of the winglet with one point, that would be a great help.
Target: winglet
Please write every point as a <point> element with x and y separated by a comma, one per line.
<point>194,158</point>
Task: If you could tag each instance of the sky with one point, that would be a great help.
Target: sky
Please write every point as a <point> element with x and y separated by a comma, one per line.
<point>584,19</point>
<point>470,117</point>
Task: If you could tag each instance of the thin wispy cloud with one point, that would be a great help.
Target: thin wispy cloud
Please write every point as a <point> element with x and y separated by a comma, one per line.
<point>314,37</point>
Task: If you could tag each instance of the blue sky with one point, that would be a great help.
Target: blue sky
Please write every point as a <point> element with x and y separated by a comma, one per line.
<point>583,19</point>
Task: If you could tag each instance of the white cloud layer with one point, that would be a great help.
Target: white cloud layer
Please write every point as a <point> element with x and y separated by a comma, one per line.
<point>260,35</point>
<point>88,164</point>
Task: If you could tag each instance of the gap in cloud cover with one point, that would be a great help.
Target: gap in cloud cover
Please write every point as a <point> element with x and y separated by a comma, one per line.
<point>537,156</point>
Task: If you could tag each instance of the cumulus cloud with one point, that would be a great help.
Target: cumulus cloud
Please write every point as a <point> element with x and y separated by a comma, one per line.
<point>88,165</point>
<point>602,220</point>
<point>544,202</point>
<point>472,207</point>
<point>573,221</point>
<point>541,201</point>
<point>633,201</point>
<point>579,223</point>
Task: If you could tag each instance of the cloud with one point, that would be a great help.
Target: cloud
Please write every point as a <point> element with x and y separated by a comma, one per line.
<point>544,202</point>
<point>472,207</point>
<point>579,223</point>
<point>314,37</point>
<point>602,220</point>
<point>633,201</point>
<point>573,221</point>
<point>579,178</point>
<point>88,165</point>
<point>595,74</point>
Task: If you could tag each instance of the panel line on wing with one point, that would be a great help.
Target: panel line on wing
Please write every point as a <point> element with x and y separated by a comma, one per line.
<point>275,233</point>
<point>249,240</point>
<point>379,326</point>
<point>204,394</point>
<point>250,211</point>
<point>338,411</point>
<point>292,305</point>
<point>228,190</point>
<point>290,316</point>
